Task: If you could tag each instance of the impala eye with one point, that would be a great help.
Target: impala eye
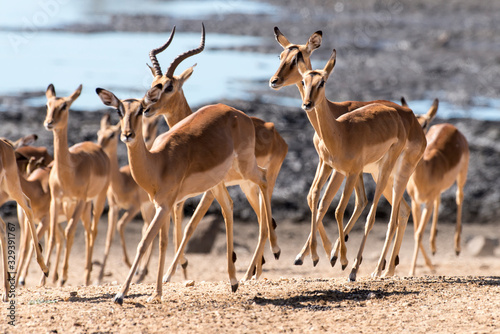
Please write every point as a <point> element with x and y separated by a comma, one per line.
<point>169,88</point>
<point>303,83</point>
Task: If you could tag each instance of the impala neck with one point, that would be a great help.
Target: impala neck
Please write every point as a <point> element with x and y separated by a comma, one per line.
<point>177,109</point>
<point>62,156</point>
<point>325,123</point>
<point>141,162</point>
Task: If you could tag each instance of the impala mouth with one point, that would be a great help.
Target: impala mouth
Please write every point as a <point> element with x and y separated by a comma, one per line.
<point>49,126</point>
<point>274,84</point>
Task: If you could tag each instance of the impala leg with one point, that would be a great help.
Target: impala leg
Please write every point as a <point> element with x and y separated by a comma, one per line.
<point>3,244</point>
<point>162,213</point>
<point>162,245</point>
<point>112,220</point>
<point>98,208</point>
<point>53,214</point>
<point>178,217</point>
<point>434,231</point>
<point>23,269</point>
<point>320,178</point>
<point>147,211</point>
<point>339,215</point>
<point>252,193</point>
<point>199,213</point>
<point>419,233</point>
<point>359,206</point>
<point>70,237</point>
<point>24,242</point>
<point>59,245</point>
<point>461,179</point>
<point>122,223</point>
<point>222,196</point>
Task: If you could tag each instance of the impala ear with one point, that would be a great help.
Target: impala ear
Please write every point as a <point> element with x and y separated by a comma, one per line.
<point>105,121</point>
<point>281,38</point>
<point>331,63</point>
<point>108,98</point>
<point>50,92</point>
<point>403,102</point>
<point>314,41</point>
<point>433,110</point>
<point>301,64</point>
<point>76,93</point>
<point>186,74</point>
<point>152,70</point>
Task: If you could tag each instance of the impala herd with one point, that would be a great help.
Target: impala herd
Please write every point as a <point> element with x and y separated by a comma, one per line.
<point>218,146</point>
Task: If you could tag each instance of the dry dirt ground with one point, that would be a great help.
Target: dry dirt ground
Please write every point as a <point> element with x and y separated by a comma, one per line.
<point>462,296</point>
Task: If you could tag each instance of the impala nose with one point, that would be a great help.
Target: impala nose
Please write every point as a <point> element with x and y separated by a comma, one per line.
<point>273,83</point>
<point>307,105</point>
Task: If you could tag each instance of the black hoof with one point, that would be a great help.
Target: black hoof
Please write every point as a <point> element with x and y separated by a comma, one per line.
<point>47,274</point>
<point>457,252</point>
<point>298,262</point>
<point>254,270</point>
<point>234,257</point>
<point>383,265</point>
<point>396,262</point>
<point>274,224</point>
<point>22,282</point>
<point>263,260</point>
<point>184,265</point>
<point>346,238</point>
<point>333,260</point>
<point>344,266</point>
<point>277,255</point>
<point>433,253</point>
<point>234,287</point>
<point>315,263</point>
<point>118,299</point>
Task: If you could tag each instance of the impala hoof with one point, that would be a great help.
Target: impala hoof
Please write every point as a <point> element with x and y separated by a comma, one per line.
<point>333,260</point>
<point>457,252</point>
<point>344,266</point>
<point>46,273</point>
<point>352,277</point>
<point>234,287</point>
<point>396,262</point>
<point>298,262</point>
<point>315,263</point>
<point>234,257</point>
<point>22,282</point>
<point>277,255</point>
<point>185,264</point>
<point>118,299</point>
<point>346,238</point>
<point>433,253</point>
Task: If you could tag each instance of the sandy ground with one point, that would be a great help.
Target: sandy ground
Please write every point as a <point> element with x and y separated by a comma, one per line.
<point>463,295</point>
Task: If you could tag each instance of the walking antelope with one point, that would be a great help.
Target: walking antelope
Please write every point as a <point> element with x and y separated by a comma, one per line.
<point>379,139</point>
<point>123,192</point>
<point>80,176</point>
<point>10,187</point>
<point>193,157</point>
<point>288,74</point>
<point>445,161</point>
<point>270,151</point>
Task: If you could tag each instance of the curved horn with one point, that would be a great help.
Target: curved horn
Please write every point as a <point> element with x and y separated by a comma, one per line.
<point>187,54</point>
<point>154,52</point>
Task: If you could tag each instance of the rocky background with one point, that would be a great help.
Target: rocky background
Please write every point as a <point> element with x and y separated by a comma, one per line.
<point>385,49</point>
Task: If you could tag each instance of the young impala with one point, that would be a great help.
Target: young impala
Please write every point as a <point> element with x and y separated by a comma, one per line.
<point>80,177</point>
<point>385,141</point>
<point>270,151</point>
<point>445,161</point>
<point>193,157</point>
<point>288,74</point>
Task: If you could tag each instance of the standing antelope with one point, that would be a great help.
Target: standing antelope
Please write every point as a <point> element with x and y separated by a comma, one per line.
<point>123,193</point>
<point>193,157</point>
<point>288,74</point>
<point>379,139</point>
<point>445,160</point>
<point>270,151</point>
<point>10,187</point>
<point>80,176</point>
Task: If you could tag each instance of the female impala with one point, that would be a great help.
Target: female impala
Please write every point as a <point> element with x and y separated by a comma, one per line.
<point>270,150</point>
<point>123,193</point>
<point>80,176</point>
<point>288,74</point>
<point>10,189</point>
<point>193,157</point>
<point>445,160</point>
<point>382,140</point>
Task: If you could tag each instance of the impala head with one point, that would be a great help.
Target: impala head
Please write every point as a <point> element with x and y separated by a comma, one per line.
<point>172,84</point>
<point>107,136</point>
<point>313,81</point>
<point>288,73</point>
<point>58,107</point>
<point>130,112</point>
<point>425,120</point>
